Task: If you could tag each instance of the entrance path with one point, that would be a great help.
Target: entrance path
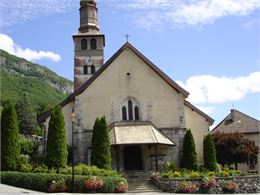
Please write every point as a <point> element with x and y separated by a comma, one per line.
<point>138,183</point>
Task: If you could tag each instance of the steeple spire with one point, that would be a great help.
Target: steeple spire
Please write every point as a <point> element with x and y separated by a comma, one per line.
<point>88,16</point>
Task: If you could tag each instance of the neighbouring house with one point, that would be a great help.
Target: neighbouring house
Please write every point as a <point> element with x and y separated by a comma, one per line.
<point>146,110</point>
<point>237,121</point>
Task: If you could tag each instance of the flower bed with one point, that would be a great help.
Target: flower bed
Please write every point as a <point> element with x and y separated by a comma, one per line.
<point>60,183</point>
<point>245,184</point>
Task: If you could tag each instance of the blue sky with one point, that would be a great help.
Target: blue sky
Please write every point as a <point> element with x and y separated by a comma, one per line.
<point>210,47</point>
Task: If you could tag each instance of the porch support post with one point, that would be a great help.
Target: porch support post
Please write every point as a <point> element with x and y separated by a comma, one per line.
<point>156,157</point>
<point>117,157</point>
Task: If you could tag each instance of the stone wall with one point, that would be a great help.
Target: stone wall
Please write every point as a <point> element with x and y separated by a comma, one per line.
<point>246,184</point>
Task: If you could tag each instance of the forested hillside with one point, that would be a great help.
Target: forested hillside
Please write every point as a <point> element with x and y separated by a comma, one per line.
<point>42,87</point>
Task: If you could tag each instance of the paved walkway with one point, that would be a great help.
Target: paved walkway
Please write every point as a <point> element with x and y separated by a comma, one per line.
<point>5,189</point>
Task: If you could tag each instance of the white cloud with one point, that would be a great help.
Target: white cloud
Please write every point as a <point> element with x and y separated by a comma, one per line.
<point>186,12</point>
<point>212,89</point>
<point>147,14</point>
<point>206,109</point>
<point>7,44</point>
<point>19,11</point>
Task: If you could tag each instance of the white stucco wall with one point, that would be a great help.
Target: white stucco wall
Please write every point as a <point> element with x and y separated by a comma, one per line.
<point>106,95</point>
<point>199,127</point>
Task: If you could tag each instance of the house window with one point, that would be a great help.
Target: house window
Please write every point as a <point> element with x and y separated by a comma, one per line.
<point>130,110</point>
<point>85,69</point>
<point>93,70</point>
<point>124,116</point>
<point>84,44</point>
<point>93,43</point>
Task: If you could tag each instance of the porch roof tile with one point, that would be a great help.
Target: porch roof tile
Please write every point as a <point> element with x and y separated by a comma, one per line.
<point>127,133</point>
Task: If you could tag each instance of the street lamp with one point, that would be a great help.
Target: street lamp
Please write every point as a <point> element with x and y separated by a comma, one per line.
<point>73,119</point>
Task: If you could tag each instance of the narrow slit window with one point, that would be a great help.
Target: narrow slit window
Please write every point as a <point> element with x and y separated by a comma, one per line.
<point>124,117</point>
<point>85,69</point>
<point>84,44</point>
<point>130,110</point>
<point>136,113</point>
<point>93,70</point>
<point>93,43</point>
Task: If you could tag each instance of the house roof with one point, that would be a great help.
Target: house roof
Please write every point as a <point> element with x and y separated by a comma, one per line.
<point>193,108</point>
<point>237,121</point>
<point>166,78</point>
<point>123,133</point>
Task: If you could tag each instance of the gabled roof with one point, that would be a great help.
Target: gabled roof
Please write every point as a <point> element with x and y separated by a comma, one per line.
<point>172,83</point>
<point>193,108</point>
<point>237,121</point>
<point>85,85</point>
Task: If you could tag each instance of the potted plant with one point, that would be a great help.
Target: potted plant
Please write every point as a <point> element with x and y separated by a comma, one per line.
<point>229,187</point>
<point>207,185</point>
<point>187,187</point>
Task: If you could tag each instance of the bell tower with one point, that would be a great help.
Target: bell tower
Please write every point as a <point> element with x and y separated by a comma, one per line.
<point>88,44</point>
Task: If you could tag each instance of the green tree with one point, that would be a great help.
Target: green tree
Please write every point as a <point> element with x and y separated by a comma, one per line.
<point>209,153</point>
<point>189,158</point>
<point>101,149</point>
<point>234,148</point>
<point>26,116</point>
<point>10,147</point>
<point>56,151</point>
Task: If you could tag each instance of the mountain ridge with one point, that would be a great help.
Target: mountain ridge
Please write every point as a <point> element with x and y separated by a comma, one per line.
<point>19,76</point>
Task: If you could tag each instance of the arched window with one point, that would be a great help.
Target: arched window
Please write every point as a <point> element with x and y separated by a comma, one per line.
<point>84,44</point>
<point>85,69</point>
<point>136,113</point>
<point>124,117</point>
<point>93,70</point>
<point>93,43</point>
<point>130,110</point>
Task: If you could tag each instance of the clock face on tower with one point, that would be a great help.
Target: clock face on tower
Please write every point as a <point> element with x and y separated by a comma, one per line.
<point>88,61</point>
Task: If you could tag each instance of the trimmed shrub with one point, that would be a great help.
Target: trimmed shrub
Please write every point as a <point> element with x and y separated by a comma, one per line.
<point>101,149</point>
<point>56,151</point>
<point>42,181</point>
<point>26,167</point>
<point>209,153</point>
<point>10,147</point>
<point>189,158</point>
<point>28,146</point>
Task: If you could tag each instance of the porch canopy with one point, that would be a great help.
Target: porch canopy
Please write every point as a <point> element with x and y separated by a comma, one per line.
<point>125,133</point>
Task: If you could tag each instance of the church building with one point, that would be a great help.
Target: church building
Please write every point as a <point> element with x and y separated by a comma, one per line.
<point>147,112</point>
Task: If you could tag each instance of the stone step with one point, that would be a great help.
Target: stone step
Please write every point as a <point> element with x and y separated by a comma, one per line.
<point>143,186</point>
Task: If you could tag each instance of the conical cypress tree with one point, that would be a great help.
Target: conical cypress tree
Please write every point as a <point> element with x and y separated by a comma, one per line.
<point>101,152</point>
<point>10,148</point>
<point>105,157</point>
<point>209,153</point>
<point>56,151</point>
<point>95,143</point>
<point>189,158</point>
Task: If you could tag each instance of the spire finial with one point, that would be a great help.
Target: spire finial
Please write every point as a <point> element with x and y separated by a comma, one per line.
<point>127,37</point>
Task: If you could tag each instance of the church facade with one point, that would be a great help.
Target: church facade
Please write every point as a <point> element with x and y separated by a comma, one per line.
<point>147,112</point>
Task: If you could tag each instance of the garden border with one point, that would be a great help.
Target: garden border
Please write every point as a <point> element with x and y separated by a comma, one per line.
<point>246,184</point>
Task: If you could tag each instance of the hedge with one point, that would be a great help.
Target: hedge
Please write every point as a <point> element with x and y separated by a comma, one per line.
<point>41,181</point>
